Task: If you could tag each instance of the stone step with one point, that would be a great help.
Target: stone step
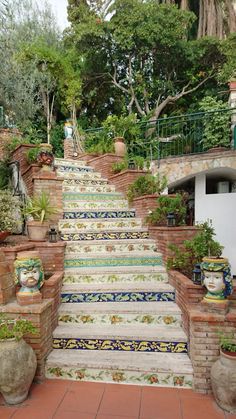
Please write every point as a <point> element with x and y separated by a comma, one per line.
<point>87,215</point>
<point>89,188</point>
<point>79,175</point>
<point>105,235</point>
<point>68,162</point>
<point>119,205</point>
<point>114,262</point>
<point>121,338</point>
<point>120,278</point>
<point>84,182</point>
<point>92,197</point>
<point>73,169</point>
<point>67,226</point>
<point>121,287</point>
<point>156,369</point>
<point>111,248</point>
<point>148,313</point>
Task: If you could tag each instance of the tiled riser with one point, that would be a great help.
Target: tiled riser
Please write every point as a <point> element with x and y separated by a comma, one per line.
<point>103,262</point>
<point>108,248</point>
<point>115,278</point>
<point>116,235</point>
<point>84,182</point>
<point>79,175</point>
<point>125,319</point>
<point>88,189</point>
<point>66,169</point>
<point>91,225</point>
<point>119,345</point>
<point>73,196</point>
<point>67,162</point>
<point>121,376</point>
<point>72,215</point>
<point>117,297</point>
<point>95,206</point>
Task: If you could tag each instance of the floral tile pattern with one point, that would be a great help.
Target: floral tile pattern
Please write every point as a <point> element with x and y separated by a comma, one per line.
<point>98,224</point>
<point>171,320</point>
<point>65,162</point>
<point>107,262</point>
<point>72,196</point>
<point>74,248</point>
<point>84,182</point>
<point>87,215</point>
<point>78,169</point>
<point>121,376</point>
<point>124,297</point>
<point>114,278</point>
<point>88,188</point>
<point>116,235</point>
<point>119,345</point>
<point>92,205</point>
<point>79,175</point>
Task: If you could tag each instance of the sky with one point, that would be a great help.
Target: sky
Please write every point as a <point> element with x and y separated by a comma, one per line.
<point>59,9</point>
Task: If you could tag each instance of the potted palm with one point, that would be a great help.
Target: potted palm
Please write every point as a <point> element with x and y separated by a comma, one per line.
<point>223,373</point>
<point>17,359</point>
<point>9,208</point>
<point>38,211</point>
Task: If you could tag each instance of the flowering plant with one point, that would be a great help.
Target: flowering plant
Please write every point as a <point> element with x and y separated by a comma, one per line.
<point>9,207</point>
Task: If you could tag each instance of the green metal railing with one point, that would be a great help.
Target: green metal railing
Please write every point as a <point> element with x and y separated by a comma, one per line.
<point>183,135</point>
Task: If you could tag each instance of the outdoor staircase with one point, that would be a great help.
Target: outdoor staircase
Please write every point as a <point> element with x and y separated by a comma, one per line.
<point>118,320</point>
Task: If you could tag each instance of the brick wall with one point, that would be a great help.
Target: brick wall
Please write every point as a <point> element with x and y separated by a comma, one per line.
<point>144,204</point>
<point>28,175</point>
<point>52,185</point>
<point>6,135</point>
<point>103,164</point>
<point>7,287</point>
<point>165,236</point>
<point>123,179</point>
<point>20,155</point>
<point>52,290</point>
<point>68,149</point>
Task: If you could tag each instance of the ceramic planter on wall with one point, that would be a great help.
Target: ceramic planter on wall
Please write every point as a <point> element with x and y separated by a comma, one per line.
<point>223,381</point>
<point>37,231</point>
<point>120,147</point>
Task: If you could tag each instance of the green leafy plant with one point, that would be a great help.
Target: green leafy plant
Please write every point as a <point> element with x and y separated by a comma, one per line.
<point>9,206</point>
<point>167,204</point>
<point>15,328</point>
<point>119,166</point>
<point>146,185</point>
<point>193,251</point>
<point>31,155</point>
<point>39,207</point>
<point>216,125</point>
<point>227,342</point>
<point>5,173</point>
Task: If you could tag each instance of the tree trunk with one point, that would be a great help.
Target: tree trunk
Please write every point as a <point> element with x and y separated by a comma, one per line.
<point>230,12</point>
<point>184,5</point>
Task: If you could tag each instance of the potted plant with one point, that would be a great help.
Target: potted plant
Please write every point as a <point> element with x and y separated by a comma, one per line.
<point>223,373</point>
<point>17,359</point>
<point>166,205</point>
<point>39,210</point>
<point>9,214</point>
<point>146,185</point>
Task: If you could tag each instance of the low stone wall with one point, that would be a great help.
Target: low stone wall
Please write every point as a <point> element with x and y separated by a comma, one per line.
<point>165,236</point>
<point>123,179</point>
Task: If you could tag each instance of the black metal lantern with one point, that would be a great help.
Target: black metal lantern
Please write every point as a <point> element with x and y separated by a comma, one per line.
<point>131,164</point>
<point>52,235</point>
<point>196,277</point>
<point>170,219</point>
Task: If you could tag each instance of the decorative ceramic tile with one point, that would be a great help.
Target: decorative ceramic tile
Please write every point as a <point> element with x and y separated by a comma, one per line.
<point>92,225</point>
<point>100,247</point>
<point>161,379</point>
<point>79,175</point>
<point>171,320</point>
<point>114,278</point>
<point>88,188</point>
<point>69,169</point>
<point>84,182</point>
<point>121,297</point>
<point>73,196</point>
<point>107,262</point>
<point>119,345</point>
<point>116,235</point>
<point>96,206</point>
<point>87,215</point>
<point>71,163</point>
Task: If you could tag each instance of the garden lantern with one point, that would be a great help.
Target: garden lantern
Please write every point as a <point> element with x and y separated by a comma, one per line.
<point>171,220</point>
<point>196,277</point>
<point>52,235</point>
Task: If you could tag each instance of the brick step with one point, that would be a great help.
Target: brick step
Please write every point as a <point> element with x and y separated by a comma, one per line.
<point>67,226</point>
<point>75,206</point>
<point>93,215</point>
<point>156,369</point>
<point>88,188</point>
<point>121,279</point>
<point>121,338</point>
<point>68,162</point>
<point>113,262</point>
<point>111,248</point>
<point>109,196</point>
<point>148,313</point>
<point>105,235</point>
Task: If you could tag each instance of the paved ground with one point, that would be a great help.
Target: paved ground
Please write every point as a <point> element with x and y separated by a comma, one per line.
<point>59,399</point>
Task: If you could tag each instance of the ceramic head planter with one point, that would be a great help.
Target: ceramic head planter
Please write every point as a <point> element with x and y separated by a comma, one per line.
<point>68,130</point>
<point>45,156</point>
<point>216,277</point>
<point>30,276</point>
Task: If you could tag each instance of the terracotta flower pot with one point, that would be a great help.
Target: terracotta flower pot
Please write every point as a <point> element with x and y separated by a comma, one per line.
<point>3,235</point>
<point>120,147</point>
<point>37,231</point>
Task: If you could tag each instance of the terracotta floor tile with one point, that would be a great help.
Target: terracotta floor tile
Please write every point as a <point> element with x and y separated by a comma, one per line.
<point>124,402</point>
<point>196,408</point>
<point>82,400</point>
<point>6,412</point>
<point>160,392</point>
<point>28,412</point>
<point>86,384</point>
<point>162,404</point>
<point>115,417</point>
<point>227,415</point>
<point>66,414</point>
<point>187,393</point>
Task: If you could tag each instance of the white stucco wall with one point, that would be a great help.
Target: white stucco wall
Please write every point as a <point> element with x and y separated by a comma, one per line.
<point>221,209</point>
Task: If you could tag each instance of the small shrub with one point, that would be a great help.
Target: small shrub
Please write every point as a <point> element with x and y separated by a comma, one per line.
<point>167,204</point>
<point>9,208</point>
<point>146,185</point>
<point>31,155</point>
<point>15,328</point>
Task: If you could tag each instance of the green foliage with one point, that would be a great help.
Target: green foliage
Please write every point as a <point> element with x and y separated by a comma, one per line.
<point>9,206</point>
<point>216,125</point>
<point>227,342</point>
<point>167,204</point>
<point>5,173</point>
<point>119,166</point>
<point>194,250</point>
<point>39,207</point>
<point>57,140</point>
<point>31,155</point>
<point>15,328</point>
<point>146,185</point>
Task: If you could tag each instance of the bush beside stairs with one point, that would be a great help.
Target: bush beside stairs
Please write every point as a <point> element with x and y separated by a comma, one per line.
<point>118,320</point>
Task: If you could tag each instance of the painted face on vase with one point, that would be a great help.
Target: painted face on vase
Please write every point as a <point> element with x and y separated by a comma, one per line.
<point>214,282</point>
<point>29,278</point>
<point>216,277</point>
<point>29,274</point>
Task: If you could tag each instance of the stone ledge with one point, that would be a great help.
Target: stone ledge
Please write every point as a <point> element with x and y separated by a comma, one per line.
<point>14,307</point>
